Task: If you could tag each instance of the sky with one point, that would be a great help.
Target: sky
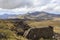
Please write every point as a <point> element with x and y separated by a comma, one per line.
<point>24,6</point>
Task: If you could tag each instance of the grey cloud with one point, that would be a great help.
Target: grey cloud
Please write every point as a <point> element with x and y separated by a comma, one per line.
<point>10,4</point>
<point>46,5</point>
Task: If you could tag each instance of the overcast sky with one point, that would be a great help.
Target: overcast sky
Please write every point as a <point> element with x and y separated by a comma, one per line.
<point>23,6</point>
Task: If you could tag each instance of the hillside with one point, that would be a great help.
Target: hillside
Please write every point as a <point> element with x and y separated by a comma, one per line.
<point>55,24</point>
<point>6,33</point>
<point>41,16</point>
<point>37,16</point>
<point>10,27</point>
<point>6,27</point>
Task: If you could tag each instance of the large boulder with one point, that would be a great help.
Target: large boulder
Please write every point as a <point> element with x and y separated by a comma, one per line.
<point>37,33</point>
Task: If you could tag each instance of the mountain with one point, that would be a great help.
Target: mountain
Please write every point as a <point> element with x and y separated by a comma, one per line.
<point>37,15</point>
<point>7,16</point>
<point>41,16</point>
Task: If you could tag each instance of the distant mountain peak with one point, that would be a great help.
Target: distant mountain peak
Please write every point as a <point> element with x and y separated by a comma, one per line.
<point>37,15</point>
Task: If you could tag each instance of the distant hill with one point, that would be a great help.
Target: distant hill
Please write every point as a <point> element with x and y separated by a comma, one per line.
<point>8,16</point>
<point>37,15</point>
<point>41,16</point>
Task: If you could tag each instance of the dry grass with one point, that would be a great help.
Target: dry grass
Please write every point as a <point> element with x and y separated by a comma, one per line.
<point>8,25</point>
<point>5,27</point>
<point>55,24</point>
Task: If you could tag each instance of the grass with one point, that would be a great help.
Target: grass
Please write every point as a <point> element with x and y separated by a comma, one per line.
<point>5,27</point>
<point>55,24</point>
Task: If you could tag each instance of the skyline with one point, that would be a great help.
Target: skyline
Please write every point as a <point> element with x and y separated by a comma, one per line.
<point>24,6</point>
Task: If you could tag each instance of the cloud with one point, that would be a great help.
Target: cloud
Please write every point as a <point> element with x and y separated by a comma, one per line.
<point>10,4</point>
<point>53,6</point>
<point>24,6</point>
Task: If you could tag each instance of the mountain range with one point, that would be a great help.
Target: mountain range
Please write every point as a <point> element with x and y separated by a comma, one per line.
<point>6,16</point>
<point>32,16</point>
<point>42,16</point>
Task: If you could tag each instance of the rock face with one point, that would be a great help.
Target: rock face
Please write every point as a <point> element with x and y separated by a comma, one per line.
<point>37,33</point>
<point>20,27</point>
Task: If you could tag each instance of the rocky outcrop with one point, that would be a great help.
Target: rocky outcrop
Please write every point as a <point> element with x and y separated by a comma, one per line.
<point>37,33</point>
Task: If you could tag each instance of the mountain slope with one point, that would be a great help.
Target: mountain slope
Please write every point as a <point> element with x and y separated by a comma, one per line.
<point>37,15</point>
<point>41,16</point>
<point>9,16</point>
